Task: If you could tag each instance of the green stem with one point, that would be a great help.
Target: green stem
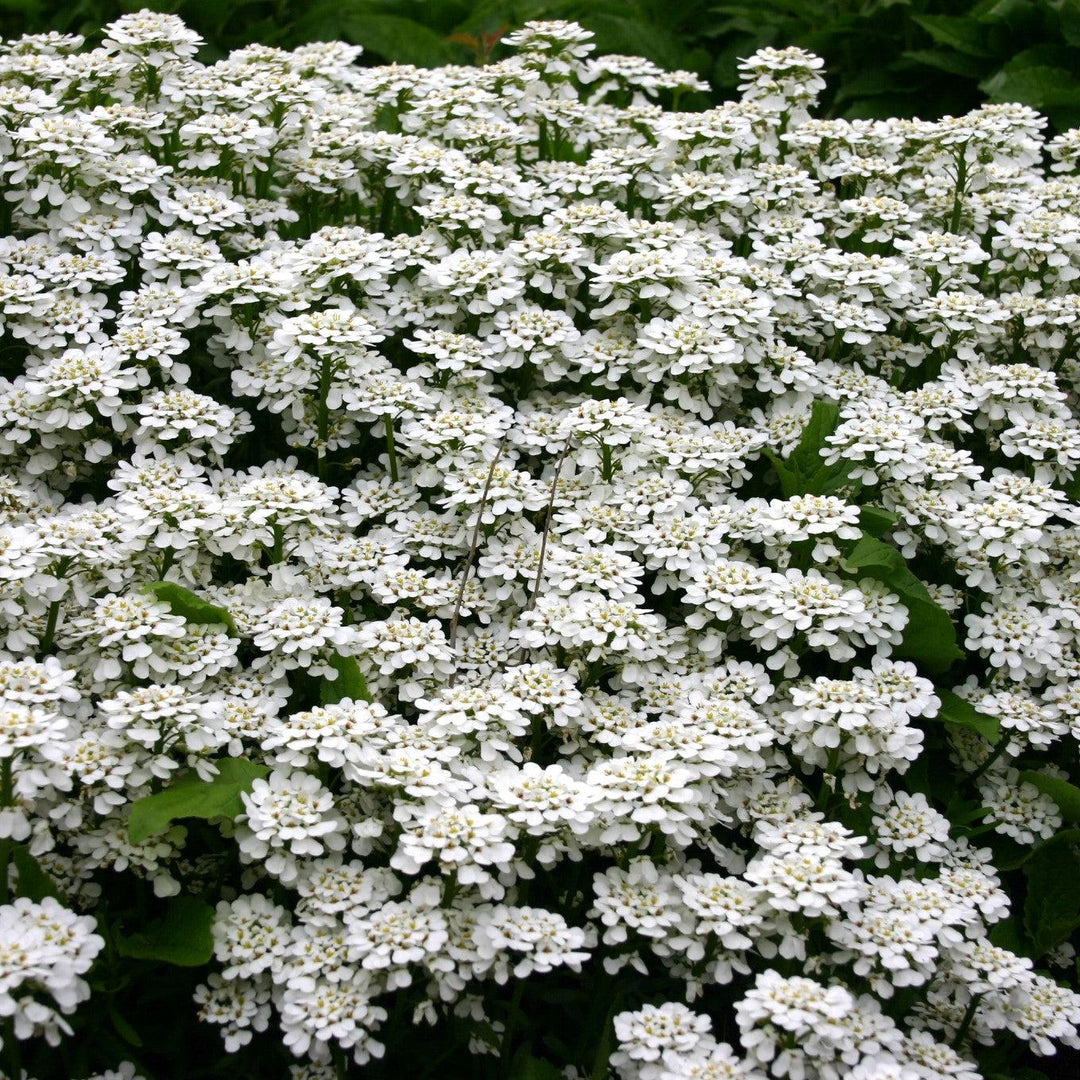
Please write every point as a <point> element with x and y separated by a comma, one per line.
<point>999,749</point>
<point>506,1051</point>
<point>341,1064</point>
<point>607,464</point>
<point>322,412</point>
<point>601,1068</point>
<point>826,792</point>
<point>391,452</point>
<point>12,1053</point>
<point>961,185</point>
<point>50,629</point>
<point>7,798</point>
<point>965,1023</point>
<point>277,552</point>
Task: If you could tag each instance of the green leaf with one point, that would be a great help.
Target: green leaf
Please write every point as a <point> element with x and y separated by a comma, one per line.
<point>1069,14</point>
<point>397,39</point>
<point>961,811</point>
<point>1007,934</point>
<point>1052,904</point>
<point>124,1029</point>
<point>1066,795</point>
<point>350,682</point>
<point>966,35</point>
<point>190,607</point>
<point>634,37</point>
<point>930,636</point>
<point>953,63</point>
<point>789,479</point>
<point>190,797</point>
<point>803,472</point>
<point>1041,86</point>
<point>876,521</point>
<point>34,883</point>
<point>526,1067</point>
<point>824,420</point>
<point>183,937</point>
<point>955,710</point>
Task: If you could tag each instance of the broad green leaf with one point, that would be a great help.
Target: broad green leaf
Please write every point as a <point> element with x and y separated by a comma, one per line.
<point>876,521</point>
<point>191,607</point>
<point>955,710</point>
<point>962,812</point>
<point>34,883</point>
<point>824,419</point>
<point>1007,934</point>
<point>1069,14</point>
<point>526,1067</point>
<point>1066,795</point>
<point>1052,89</point>
<point>999,11</point>
<point>635,37</point>
<point>1052,905</point>
<point>930,636</point>
<point>789,479</point>
<point>803,472</point>
<point>350,682</point>
<point>183,937</point>
<point>966,35</point>
<point>190,797</point>
<point>868,84</point>
<point>951,62</point>
<point>397,39</point>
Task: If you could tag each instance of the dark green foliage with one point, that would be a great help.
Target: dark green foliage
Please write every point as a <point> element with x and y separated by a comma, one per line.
<point>181,937</point>
<point>1052,908</point>
<point>929,57</point>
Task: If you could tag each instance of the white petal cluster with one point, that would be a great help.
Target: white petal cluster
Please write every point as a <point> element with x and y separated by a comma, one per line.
<point>607,533</point>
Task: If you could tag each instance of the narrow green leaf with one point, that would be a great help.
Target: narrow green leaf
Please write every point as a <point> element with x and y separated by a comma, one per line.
<point>350,682</point>
<point>1066,795</point>
<point>183,937</point>
<point>189,606</point>
<point>190,797</point>
<point>955,710</point>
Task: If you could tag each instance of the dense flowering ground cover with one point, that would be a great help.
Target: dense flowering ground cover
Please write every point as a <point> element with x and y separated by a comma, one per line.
<point>502,578</point>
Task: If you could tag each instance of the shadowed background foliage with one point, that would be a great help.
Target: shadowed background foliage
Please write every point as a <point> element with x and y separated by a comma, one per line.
<point>884,57</point>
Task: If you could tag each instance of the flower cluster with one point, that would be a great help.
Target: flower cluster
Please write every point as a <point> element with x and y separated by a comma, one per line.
<point>544,535</point>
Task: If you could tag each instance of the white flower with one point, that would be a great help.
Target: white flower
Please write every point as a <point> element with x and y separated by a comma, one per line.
<point>287,815</point>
